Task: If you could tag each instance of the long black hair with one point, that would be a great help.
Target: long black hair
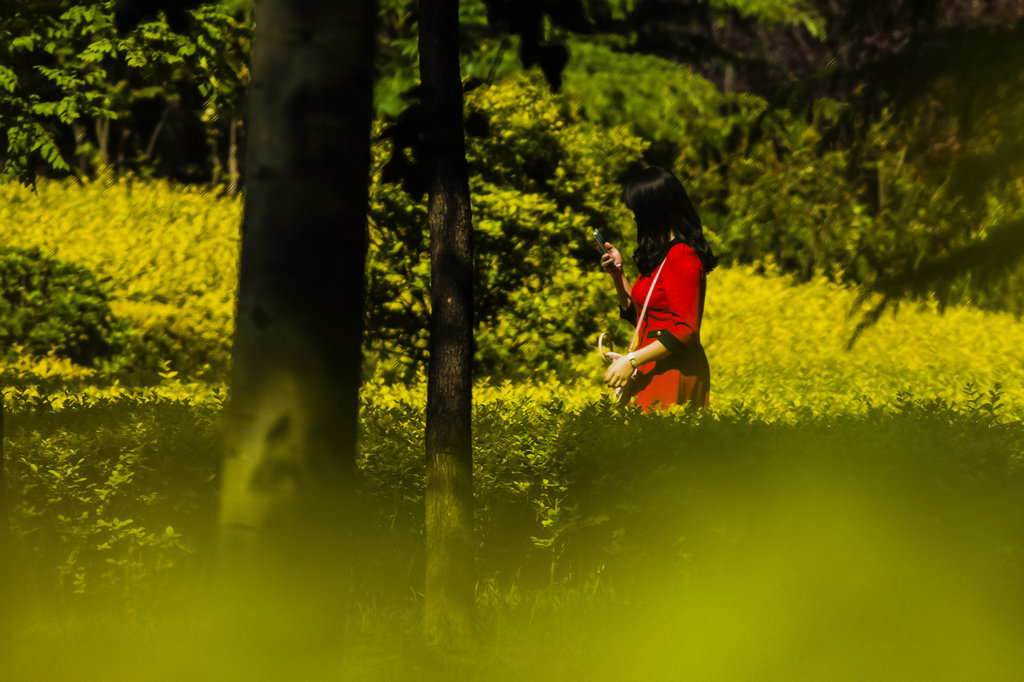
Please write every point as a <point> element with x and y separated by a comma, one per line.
<point>661,207</point>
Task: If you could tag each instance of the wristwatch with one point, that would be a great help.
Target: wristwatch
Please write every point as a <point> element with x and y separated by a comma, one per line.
<point>631,356</point>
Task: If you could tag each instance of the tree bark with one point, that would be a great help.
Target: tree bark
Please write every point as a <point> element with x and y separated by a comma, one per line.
<point>80,138</point>
<point>151,145</point>
<point>236,122</point>
<point>449,587</point>
<point>103,140</point>
<point>292,417</point>
<point>216,167</point>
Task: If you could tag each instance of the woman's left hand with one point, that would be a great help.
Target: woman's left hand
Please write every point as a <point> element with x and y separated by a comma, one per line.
<point>618,373</point>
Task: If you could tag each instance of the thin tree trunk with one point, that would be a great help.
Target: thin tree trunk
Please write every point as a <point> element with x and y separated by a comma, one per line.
<point>449,588</point>
<point>122,140</point>
<point>151,145</point>
<point>103,140</point>
<point>236,122</point>
<point>83,163</point>
<point>217,168</point>
<point>292,417</point>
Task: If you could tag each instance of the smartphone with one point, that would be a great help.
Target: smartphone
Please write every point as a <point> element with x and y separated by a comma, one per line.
<point>600,240</point>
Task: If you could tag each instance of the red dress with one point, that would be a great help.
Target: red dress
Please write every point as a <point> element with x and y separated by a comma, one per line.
<point>673,317</point>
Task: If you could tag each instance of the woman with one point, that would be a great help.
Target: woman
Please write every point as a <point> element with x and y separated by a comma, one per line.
<point>669,361</point>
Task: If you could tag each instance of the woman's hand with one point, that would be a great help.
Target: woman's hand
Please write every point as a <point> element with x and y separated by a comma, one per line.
<point>611,262</point>
<point>619,373</point>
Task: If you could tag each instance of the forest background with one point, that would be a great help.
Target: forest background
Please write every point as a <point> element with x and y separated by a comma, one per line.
<point>843,157</point>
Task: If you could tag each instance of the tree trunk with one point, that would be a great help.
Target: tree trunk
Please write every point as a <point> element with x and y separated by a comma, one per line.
<point>216,167</point>
<point>151,145</point>
<point>122,143</point>
<point>236,122</point>
<point>83,163</point>
<point>291,422</point>
<point>103,140</point>
<point>448,611</point>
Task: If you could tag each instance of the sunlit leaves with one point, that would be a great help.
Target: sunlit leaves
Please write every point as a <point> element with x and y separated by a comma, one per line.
<point>73,67</point>
<point>785,12</point>
<point>540,181</point>
<point>170,254</point>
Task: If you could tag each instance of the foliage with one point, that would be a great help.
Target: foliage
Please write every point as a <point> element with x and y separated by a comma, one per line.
<point>775,184</point>
<point>37,92</point>
<point>49,304</point>
<point>108,495</point>
<point>558,489</point>
<point>822,187</point>
<point>541,181</point>
<point>800,334</point>
<point>171,253</point>
<point>911,441</point>
<point>167,253</point>
<point>169,258</point>
<point>63,64</point>
<point>584,514</point>
<point>778,353</point>
<point>971,145</point>
<point>800,13</point>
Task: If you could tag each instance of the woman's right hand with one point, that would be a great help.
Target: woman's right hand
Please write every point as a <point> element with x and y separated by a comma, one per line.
<point>611,262</point>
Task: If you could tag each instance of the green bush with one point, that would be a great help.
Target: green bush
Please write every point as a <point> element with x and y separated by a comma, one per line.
<point>571,495</point>
<point>47,304</point>
<point>167,252</point>
<point>108,496</point>
<point>540,182</point>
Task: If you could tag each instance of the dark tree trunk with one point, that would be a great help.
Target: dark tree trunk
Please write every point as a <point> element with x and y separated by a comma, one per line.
<point>292,417</point>
<point>122,144</point>
<point>151,145</point>
<point>236,123</point>
<point>448,612</point>
<point>216,167</point>
<point>80,139</point>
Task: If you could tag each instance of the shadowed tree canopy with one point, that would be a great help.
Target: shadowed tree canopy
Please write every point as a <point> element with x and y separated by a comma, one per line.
<point>973,77</point>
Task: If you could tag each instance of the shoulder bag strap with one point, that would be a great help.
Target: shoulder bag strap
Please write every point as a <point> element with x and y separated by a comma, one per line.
<point>640,320</point>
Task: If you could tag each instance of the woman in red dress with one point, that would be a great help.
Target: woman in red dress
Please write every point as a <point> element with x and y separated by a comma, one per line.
<point>669,361</point>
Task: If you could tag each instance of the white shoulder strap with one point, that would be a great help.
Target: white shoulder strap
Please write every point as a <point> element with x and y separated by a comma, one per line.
<point>640,320</point>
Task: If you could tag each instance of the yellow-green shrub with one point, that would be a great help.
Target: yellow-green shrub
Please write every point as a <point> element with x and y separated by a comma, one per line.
<point>168,253</point>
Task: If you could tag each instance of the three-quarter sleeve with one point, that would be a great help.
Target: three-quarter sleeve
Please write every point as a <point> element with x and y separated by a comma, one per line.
<point>681,282</point>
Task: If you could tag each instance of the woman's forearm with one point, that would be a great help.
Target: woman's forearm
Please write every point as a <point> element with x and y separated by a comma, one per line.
<point>653,351</point>
<point>622,289</point>
<point>621,369</point>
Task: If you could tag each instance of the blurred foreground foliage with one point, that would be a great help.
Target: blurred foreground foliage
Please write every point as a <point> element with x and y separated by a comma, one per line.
<point>664,532</point>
